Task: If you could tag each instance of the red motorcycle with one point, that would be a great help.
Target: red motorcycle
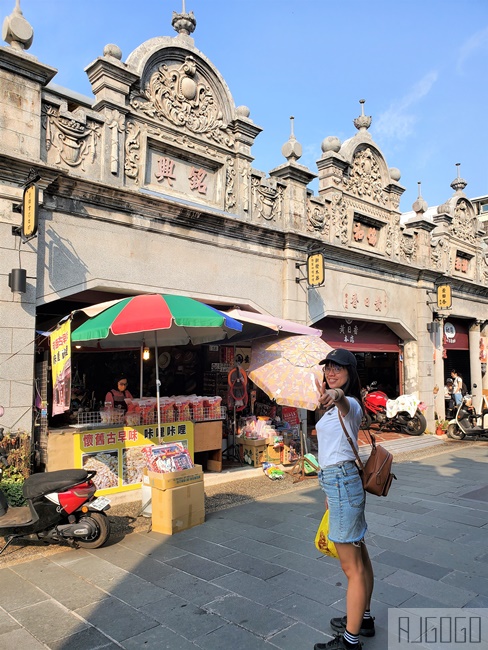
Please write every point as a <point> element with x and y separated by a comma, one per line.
<point>61,506</point>
<point>402,414</point>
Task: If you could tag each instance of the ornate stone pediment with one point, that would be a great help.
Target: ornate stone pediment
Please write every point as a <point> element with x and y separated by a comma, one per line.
<point>464,222</point>
<point>364,178</point>
<point>179,94</point>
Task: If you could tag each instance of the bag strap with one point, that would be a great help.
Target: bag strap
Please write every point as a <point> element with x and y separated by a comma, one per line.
<point>353,447</point>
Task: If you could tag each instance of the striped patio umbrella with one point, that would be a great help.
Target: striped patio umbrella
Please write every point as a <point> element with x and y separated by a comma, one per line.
<point>156,319</point>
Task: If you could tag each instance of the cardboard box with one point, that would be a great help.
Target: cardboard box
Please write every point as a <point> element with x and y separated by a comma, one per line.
<point>274,454</point>
<point>169,480</point>
<point>207,436</point>
<point>254,455</point>
<point>177,509</point>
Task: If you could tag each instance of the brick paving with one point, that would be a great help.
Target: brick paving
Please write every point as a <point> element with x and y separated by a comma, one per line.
<point>250,576</point>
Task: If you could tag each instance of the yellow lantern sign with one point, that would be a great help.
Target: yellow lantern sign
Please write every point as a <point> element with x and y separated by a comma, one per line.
<point>30,211</point>
<point>444,298</point>
<point>315,270</point>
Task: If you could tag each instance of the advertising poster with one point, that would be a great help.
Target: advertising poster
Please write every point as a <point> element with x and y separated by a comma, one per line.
<point>60,341</point>
<point>116,453</point>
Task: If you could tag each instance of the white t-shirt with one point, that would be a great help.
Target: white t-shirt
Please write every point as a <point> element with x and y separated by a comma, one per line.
<point>457,384</point>
<point>334,447</point>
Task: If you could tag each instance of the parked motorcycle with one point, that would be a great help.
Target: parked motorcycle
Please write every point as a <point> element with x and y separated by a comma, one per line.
<point>402,414</point>
<point>466,423</point>
<point>61,507</point>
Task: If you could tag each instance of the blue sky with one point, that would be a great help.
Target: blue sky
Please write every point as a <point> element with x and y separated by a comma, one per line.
<point>421,65</point>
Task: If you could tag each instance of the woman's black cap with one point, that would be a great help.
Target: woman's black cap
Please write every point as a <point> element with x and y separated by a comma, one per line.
<point>341,357</point>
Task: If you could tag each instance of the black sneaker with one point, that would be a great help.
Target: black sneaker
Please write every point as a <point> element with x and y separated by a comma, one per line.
<point>367,626</point>
<point>337,643</point>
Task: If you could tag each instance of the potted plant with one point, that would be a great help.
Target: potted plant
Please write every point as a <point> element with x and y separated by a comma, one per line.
<point>441,427</point>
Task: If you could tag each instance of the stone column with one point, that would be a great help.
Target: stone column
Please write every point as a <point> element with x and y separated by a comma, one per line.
<point>484,383</point>
<point>474,363</point>
<point>439,379</point>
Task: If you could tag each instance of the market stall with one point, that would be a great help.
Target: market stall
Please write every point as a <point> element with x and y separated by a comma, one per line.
<point>112,440</point>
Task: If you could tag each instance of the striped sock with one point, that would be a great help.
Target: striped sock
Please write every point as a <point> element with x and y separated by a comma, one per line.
<point>367,614</point>
<point>351,640</point>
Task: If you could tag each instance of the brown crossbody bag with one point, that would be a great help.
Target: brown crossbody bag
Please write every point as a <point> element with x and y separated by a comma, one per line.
<point>375,473</point>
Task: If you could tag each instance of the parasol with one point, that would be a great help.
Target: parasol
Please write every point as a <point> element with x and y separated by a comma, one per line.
<point>286,368</point>
<point>154,319</point>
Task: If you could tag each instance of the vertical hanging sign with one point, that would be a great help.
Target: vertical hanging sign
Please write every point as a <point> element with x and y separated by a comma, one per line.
<point>30,211</point>
<point>315,270</point>
<point>60,341</point>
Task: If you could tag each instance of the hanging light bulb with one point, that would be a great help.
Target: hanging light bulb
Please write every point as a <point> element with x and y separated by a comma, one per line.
<point>146,353</point>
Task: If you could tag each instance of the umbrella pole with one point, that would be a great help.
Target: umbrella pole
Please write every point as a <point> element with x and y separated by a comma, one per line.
<point>141,370</point>
<point>158,384</point>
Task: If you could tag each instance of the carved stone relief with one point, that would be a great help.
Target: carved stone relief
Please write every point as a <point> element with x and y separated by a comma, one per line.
<point>132,148</point>
<point>437,254</point>
<point>116,123</point>
<point>464,222</point>
<point>230,174</point>
<point>267,201</point>
<point>317,219</point>
<point>392,242</point>
<point>364,178</point>
<point>395,201</point>
<point>72,136</point>
<point>338,211</point>
<point>483,269</point>
<point>408,247</point>
<point>245,175</point>
<point>178,94</point>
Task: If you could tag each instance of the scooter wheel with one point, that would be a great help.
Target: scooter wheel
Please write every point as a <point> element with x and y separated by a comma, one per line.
<point>454,432</point>
<point>103,531</point>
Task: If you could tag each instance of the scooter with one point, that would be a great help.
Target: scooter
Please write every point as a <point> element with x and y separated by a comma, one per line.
<point>402,414</point>
<point>467,423</point>
<point>61,507</point>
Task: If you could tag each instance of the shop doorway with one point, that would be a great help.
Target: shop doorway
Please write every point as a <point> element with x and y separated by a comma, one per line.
<point>459,360</point>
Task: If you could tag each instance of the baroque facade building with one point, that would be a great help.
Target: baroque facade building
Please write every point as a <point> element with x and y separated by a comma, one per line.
<point>149,186</point>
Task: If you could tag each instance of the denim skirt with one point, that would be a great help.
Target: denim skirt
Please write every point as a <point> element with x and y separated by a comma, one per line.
<point>346,500</point>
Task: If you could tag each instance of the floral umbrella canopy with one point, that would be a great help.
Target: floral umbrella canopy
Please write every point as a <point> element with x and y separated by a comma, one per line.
<point>286,369</point>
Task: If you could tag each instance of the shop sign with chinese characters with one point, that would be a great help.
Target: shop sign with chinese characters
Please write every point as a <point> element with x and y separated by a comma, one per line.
<point>116,453</point>
<point>315,270</point>
<point>364,300</point>
<point>189,178</point>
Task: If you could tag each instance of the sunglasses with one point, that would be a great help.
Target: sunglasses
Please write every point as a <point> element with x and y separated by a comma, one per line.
<point>333,367</point>
<point>122,383</point>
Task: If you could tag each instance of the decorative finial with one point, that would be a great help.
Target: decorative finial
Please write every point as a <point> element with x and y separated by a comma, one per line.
<point>420,205</point>
<point>184,23</point>
<point>363,122</point>
<point>292,150</point>
<point>458,184</point>
<point>16,31</point>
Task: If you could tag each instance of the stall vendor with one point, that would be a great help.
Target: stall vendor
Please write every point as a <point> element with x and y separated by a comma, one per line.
<point>117,396</point>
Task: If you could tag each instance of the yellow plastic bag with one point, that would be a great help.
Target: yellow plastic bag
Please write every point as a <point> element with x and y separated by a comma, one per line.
<point>322,541</point>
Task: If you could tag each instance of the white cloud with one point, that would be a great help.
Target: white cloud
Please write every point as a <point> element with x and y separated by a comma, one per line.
<point>398,121</point>
<point>469,47</point>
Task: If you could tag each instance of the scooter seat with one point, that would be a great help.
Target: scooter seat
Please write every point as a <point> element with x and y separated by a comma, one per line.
<point>39,484</point>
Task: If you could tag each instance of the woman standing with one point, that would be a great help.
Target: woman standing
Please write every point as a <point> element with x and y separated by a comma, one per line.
<point>340,395</point>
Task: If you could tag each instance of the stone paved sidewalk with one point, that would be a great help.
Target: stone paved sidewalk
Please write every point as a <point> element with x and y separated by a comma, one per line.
<point>251,578</point>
